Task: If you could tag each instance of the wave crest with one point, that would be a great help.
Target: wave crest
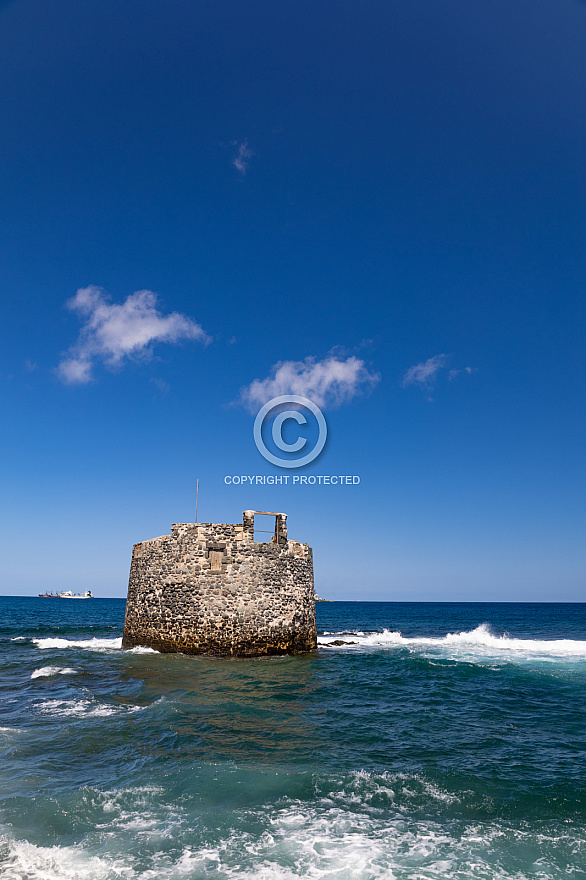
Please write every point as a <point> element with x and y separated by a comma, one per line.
<point>480,641</point>
<point>47,671</point>
<point>88,644</point>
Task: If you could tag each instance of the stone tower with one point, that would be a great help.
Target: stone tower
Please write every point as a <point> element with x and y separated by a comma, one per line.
<point>210,588</point>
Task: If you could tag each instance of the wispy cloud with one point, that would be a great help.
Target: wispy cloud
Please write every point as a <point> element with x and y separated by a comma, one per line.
<point>453,373</point>
<point>425,374</point>
<point>240,162</point>
<point>115,332</point>
<point>331,381</point>
<point>161,385</point>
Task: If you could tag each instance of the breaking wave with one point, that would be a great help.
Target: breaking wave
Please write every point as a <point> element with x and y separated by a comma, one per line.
<point>47,671</point>
<point>342,833</point>
<point>89,644</point>
<point>477,643</point>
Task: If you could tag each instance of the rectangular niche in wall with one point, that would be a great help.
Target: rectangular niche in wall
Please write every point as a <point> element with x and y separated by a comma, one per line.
<point>216,560</point>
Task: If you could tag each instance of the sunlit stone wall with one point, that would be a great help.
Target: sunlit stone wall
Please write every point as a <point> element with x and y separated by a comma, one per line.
<point>211,588</point>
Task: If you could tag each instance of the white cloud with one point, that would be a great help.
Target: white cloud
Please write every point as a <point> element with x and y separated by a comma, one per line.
<point>454,373</point>
<point>75,370</point>
<point>331,381</point>
<point>240,163</point>
<point>113,332</point>
<point>425,374</point>
<point>161,385</point>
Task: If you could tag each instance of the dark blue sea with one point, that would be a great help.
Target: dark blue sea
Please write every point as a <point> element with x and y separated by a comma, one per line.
<point>421,741</point>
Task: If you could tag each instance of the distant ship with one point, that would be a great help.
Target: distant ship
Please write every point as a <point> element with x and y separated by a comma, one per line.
<point>67,594</point>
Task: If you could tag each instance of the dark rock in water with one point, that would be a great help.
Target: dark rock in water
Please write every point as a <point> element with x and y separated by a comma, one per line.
<point>339,642</point>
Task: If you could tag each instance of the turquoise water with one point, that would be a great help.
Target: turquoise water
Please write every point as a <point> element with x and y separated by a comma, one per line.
<point>439,741</point>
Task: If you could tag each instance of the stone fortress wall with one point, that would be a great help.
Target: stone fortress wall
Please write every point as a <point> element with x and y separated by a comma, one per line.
<point>210,588</point>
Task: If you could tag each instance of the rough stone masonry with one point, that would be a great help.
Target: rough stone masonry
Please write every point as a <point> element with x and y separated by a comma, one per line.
<point>210,588</point>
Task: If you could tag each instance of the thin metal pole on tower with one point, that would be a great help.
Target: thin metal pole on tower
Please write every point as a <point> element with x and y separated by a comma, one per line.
<point>196,498</point>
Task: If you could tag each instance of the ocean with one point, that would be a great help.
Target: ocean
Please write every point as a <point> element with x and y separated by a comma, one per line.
<point>421,741</point>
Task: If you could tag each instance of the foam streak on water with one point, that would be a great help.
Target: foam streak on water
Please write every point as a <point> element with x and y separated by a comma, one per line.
<point>418,743</point>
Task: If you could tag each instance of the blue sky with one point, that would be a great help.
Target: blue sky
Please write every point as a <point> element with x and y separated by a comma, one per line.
<point>392,190</point>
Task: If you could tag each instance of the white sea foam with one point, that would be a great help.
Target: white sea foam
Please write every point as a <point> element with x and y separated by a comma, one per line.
<point>477,644</point>
<point>18,639</point>
<point>138,812</point>
<point>87,644</point>
<point>335,839</point>
<point>25,861</point>
<point>343,833</point>
<point>83,708</point>
<point>47,671</point>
